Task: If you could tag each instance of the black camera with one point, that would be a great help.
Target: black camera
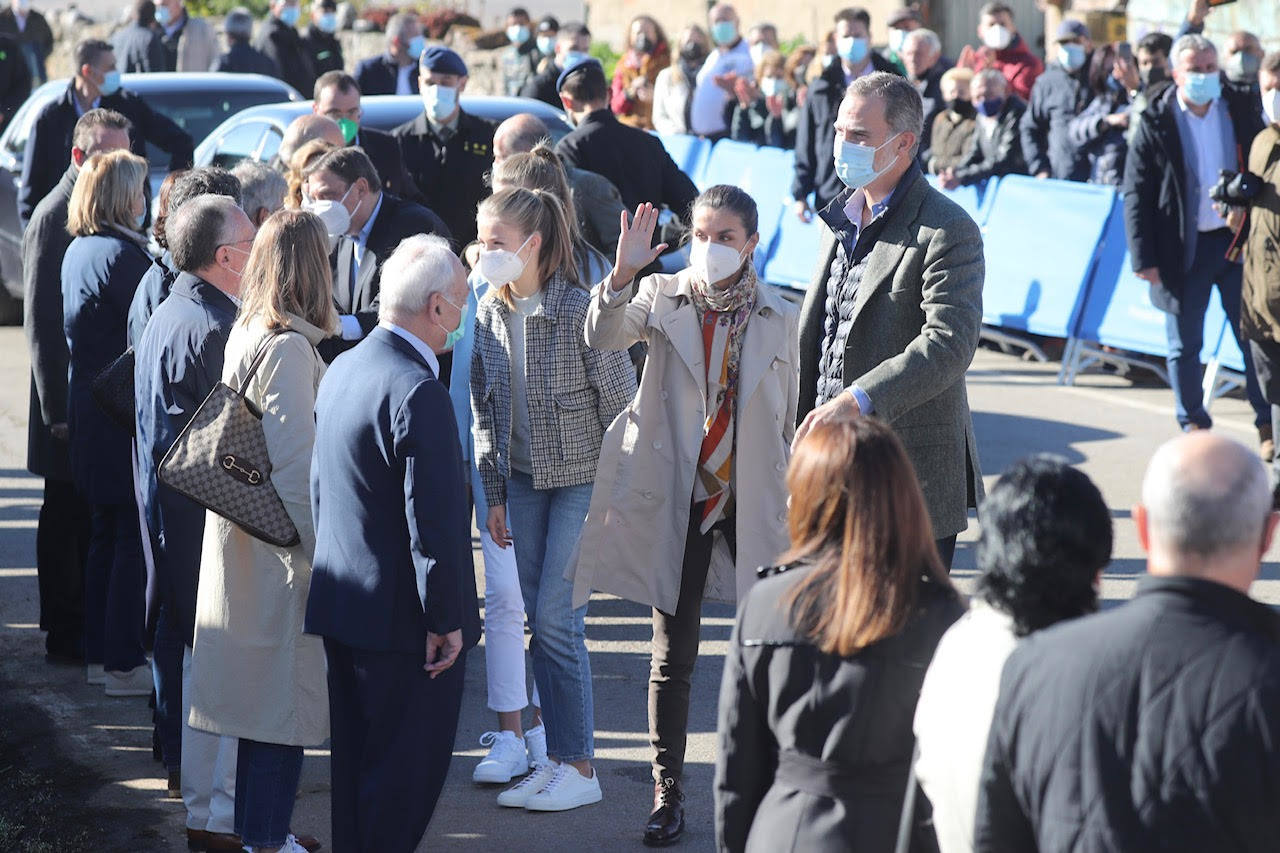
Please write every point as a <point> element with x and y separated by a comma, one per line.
<point>1236,189</point>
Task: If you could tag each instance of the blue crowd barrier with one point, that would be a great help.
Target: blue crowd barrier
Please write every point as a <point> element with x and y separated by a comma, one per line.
<point>976,199</point>
<point>1039,266</point>
<point>689,152</point>
<point>795,252</point>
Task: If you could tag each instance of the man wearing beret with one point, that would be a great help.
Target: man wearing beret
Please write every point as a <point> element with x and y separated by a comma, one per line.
<point>448,152</point>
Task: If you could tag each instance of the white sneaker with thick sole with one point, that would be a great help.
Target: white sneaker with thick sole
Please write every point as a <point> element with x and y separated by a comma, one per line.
<point>535,741</point>
<point>568,789</point>
<point>506,760</point>
<point>515,798</point>
<point>135,682</point>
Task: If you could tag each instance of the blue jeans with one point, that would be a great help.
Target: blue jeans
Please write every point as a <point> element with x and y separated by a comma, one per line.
<point>1185,330</point>
<point>546,524</point>
<point>166,671</point>
<point>266,786</point>
<point>115,580</point>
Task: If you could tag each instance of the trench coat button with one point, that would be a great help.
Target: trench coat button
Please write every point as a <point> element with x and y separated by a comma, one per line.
<point>647,495</point>
<point>780,467</point>
<point>657,445</point>
<point>665,395</point>
<point>782,516</point>
<point>775,364</point>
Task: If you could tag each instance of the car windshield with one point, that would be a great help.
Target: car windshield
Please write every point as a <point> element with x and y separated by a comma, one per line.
<point>199,116</point>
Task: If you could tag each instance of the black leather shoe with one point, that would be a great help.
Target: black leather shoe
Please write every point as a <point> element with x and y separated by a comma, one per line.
<point>666,824</point>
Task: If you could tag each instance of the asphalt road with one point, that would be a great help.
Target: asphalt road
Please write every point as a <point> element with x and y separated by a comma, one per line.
<point>89,757</point>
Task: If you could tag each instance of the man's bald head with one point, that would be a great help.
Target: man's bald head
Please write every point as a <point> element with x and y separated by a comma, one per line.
<point>1205,499</point>
<point>305,128</point>
<point>519,134</point>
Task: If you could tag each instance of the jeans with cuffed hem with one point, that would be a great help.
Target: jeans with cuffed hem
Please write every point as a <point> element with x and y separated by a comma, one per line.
<point>1185,331</point>
<point>266,786</point>
<point>545,525</point>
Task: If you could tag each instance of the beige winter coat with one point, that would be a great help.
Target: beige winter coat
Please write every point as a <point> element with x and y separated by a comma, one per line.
<point>633,542</point>
<point>254,673</point>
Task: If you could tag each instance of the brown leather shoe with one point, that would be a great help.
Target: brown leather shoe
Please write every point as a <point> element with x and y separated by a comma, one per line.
<point>224,841</point>
<point>197,840</point>
<point>175,790</point>
<point>666,824</point>
<point>310,842</point>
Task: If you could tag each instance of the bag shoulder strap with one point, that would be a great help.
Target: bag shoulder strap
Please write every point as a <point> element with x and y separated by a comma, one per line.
<point>257,359</point>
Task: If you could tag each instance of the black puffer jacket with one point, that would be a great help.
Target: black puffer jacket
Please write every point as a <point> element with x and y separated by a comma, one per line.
<point>1153,726</point>
<point>815,749</point>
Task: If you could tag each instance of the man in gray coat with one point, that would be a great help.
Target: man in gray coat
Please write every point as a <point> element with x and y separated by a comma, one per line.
<point>891,319</point>
<point>62,533</point>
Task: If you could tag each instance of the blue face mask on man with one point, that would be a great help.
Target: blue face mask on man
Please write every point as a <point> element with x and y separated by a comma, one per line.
<point>110,83</point>
<point>724,32</point>
<point>1202,88</point>
<point>856,163</point>
<point>852,50</point>
<point>416,45</point>
<point>163,16</point>
<point>289,15</point>
<point>452,337</point>
<point>1071,56</point>
<point>990,107</point>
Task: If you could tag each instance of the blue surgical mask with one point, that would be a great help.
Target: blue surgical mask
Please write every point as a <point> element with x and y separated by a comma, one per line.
<point>289,15</point>
<point>416,45</point>
<point>1200,88</point>
<point>517,33</point>
<point>771,86</point>
<point>724,32</point>
<point>573,56</point>
<point>852,50</point>
<point>110,83</point>
<point>163,16</point>
<point>1071,56</point>
<point>328,22</point>
<point>451,338</point>
<point>990,107</point>
<point>546,45</point>
<point>856,163</point>
<point>440,101</point>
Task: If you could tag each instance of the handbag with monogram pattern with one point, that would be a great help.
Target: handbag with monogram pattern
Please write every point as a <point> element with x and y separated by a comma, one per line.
<point>220,461</point>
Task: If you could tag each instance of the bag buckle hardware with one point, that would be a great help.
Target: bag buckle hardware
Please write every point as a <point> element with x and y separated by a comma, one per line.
<point>251,476</point>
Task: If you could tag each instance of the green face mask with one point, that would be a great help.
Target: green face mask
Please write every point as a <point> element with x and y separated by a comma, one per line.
<point>349,129</point>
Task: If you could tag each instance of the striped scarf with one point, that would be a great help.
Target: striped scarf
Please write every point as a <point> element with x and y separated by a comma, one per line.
<point>723,316</point>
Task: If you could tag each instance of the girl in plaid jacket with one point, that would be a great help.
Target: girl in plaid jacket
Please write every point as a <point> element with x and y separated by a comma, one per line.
<point>542,400</point>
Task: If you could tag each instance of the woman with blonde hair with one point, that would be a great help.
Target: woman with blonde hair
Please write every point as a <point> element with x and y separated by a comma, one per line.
<point>829,651</point>
<point>542,400</point>
<point>255,675</point>
<point>631,94</point>
<point>100,272</point>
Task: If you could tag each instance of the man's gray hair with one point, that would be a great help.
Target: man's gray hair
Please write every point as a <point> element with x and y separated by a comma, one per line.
<point>903,109</point>
<point>929,37</point>
<point>239,24</point>
<point>993,75</point>
<point>400,25</point>
<point>260,186</point>
<point>196,229</point>
<point>1206,501</point>
<point>420,266</point>
<point>1193,42</point>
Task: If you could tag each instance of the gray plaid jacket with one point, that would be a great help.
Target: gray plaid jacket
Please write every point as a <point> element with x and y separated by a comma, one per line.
<point>574,391</point>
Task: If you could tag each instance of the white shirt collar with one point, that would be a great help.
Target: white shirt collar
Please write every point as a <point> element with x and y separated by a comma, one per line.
<point>417,343</point>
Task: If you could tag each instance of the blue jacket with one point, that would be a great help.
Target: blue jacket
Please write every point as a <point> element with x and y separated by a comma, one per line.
<point>99,275</point>
<point>377,76</point>
<point>1056,98</point>
<point>388,497</point>
<point>177,362</point>
<point>151,291</point>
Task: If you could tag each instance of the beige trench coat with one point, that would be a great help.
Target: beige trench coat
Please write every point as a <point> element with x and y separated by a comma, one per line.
<point>254,674</point>
<point>633,541</point>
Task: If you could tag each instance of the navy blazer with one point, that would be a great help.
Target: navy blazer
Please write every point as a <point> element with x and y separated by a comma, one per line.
<point>178,360</point>
<point>388,494</point>
<point>152,290</point>
<point>377,76</point>
<point>99,275</point>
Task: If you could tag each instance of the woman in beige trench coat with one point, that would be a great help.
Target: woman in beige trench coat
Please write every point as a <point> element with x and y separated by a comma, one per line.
<point>254,674</point>
<point>696,463</point>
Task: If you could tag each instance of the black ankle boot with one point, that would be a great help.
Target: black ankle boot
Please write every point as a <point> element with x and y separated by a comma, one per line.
<point>666,824</point>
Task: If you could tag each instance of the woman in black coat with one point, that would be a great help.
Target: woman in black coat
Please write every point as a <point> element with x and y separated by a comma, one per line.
<point>826,661</point>
<point>100,272</point>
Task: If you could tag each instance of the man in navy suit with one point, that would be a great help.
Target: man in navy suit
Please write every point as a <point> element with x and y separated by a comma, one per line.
<point>393,590</point>
<point>394,72</point>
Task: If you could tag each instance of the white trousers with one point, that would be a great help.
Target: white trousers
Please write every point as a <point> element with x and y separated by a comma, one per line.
<point>208,769</point>
<point>503,628</point>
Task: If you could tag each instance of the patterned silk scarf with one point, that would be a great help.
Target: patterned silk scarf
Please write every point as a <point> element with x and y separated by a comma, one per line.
<point>723,316</point>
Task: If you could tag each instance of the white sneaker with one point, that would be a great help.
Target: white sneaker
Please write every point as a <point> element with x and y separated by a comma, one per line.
<point>134,682</point>
<point>95,674</point>
<point>535,740</point>
<point>515,798</point>
<point>506,760</point>
<point>567,789</point>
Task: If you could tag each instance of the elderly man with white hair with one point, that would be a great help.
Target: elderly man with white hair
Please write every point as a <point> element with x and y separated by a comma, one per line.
<point>392,590</point>
<point>262,190</point>
<point>1153,725</point>
<point>921,56</point>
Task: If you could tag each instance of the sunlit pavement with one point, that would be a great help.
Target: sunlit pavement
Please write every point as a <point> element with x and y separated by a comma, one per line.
<point>1105,425</point>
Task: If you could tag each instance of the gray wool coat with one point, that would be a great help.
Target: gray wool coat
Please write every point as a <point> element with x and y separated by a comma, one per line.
<point>915,330</point>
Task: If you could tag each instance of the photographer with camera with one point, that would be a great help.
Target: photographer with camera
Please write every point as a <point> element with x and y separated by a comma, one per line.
<point>1260,309</point>
<point>1178,240</point>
